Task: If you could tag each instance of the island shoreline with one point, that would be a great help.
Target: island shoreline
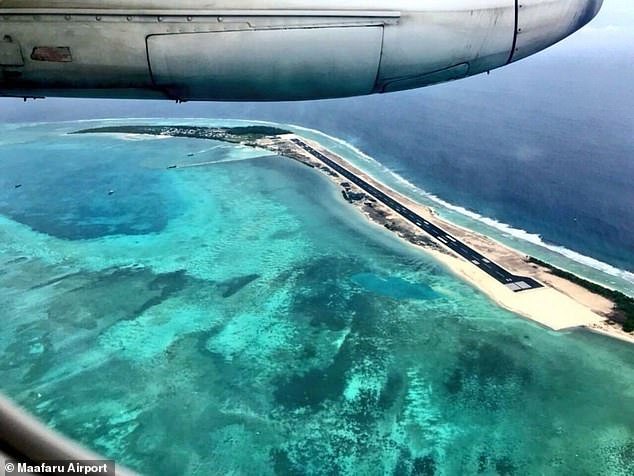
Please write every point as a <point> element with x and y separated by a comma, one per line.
<point>560,305</point>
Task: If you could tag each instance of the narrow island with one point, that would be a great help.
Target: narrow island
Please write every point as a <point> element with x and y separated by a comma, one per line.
<point>522,284</point>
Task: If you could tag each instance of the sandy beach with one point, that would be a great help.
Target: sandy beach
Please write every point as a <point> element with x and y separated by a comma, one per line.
<point>553,298</point>
<point>559,305</point>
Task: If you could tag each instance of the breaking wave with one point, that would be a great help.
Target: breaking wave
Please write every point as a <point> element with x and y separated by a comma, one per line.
<point>504,228</point>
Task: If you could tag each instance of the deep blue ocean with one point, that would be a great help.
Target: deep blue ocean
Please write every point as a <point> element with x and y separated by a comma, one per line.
<point>241,318</point>
<point>558,162</point>
<point>545,145</point>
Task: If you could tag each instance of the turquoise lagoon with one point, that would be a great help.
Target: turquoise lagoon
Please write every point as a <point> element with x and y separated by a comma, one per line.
<point>240,318</point>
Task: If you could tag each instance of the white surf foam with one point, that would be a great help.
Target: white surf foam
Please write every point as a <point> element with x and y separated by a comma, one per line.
<point>537,240</point>
<point>139,137</point>
<point>341,142</point>
<point>504,228</point>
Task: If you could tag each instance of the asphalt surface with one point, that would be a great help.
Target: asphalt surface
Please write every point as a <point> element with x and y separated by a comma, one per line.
<point>515,283</point>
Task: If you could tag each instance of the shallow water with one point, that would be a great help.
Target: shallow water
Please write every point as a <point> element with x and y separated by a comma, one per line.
<point>241,318</point>
<point>393,287</point>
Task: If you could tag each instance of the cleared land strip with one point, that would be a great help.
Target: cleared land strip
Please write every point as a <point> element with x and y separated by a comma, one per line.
<point>513,282</point>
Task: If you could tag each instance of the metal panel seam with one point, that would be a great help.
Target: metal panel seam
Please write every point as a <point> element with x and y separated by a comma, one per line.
<point>149,66</point>
<point>203,12</point>
<point>377,88</point>
<point>514,44</point>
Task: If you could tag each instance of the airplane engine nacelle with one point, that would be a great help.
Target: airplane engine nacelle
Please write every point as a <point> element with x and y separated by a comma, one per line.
<point>257,50</point>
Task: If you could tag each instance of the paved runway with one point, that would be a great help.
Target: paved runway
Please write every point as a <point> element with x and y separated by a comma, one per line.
<point>515,283</point>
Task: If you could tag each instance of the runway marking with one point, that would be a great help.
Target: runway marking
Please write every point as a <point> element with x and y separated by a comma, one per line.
<point>515,283</point>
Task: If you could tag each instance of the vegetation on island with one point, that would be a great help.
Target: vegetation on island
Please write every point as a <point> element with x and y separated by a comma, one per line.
<point>246,132</point>
<point>623,304</point>
<point>263,131</point>
<point>150,130</point>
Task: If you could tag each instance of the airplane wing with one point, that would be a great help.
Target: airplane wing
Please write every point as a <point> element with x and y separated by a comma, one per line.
<point>259,50</point>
